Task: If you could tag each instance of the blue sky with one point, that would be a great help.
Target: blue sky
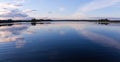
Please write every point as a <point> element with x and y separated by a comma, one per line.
<point>58,9</point>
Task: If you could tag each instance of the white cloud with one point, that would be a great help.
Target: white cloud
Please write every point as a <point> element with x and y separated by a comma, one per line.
<point>98,4</point>
<point>13,10</point>
<point>94,5</point>
<point>9,5</point>
<point>14,14</point>
<point>19,1</point>
<point>29,10</point>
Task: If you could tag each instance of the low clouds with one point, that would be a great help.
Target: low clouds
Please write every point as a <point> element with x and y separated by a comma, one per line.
<point>13,10</point>
<point>15,13</point>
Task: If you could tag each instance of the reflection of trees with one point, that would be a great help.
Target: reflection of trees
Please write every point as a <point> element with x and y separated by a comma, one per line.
<point>33,21</point>
<point>7,24</point>
<point>103,21</point>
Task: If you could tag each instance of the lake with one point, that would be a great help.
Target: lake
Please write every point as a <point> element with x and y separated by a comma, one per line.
<point>60,42</point>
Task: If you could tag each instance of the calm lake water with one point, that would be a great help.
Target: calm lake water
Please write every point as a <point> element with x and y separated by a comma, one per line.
<point>60,42</point>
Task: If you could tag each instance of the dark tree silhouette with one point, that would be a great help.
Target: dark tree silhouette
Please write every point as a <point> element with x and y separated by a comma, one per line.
<point>103,20</point>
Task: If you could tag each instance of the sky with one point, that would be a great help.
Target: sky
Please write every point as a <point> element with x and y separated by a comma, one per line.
<point>59,9</point>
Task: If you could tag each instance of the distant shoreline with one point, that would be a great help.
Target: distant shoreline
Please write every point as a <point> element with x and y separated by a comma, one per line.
<point>41,20</point>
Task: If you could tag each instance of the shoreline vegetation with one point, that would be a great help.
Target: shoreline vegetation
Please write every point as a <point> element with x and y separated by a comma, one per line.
<point>43,20</point>
<point>33,22</point>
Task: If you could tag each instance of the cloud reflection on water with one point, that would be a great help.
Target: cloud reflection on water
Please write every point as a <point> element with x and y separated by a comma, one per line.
<point>81,28</point>
<point>96,37</point>
<point>101,39</point>
<point>13,34</point>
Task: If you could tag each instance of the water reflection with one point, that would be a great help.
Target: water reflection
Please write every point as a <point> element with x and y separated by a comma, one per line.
<point>6,24</point>
<point>82,28</point>
<point>96,37</point>
<point>104,23</point>
<point>102,39</point>
<point>12,33</point>
<point>58,41</point>
<point>109,23</point>
<point>34,23</point>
